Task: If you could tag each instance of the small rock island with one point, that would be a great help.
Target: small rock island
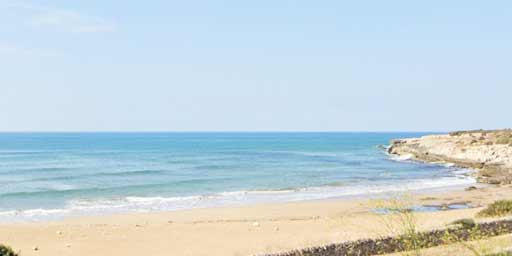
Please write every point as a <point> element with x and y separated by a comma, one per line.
<point>488,152</point>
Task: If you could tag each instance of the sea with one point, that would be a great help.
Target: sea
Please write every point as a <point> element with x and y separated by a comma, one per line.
<point>50,176</point>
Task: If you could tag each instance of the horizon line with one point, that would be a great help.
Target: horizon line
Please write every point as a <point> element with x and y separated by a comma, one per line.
<point>230,131</point>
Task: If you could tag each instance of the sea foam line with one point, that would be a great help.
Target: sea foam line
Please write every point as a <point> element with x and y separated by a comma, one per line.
<point>102,206</point>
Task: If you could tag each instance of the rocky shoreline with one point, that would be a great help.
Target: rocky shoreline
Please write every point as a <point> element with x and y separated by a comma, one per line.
<point>488,152</point>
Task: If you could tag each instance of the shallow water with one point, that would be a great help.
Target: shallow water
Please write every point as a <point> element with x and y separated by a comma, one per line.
<point>423,208</point>
<point>52,175</point>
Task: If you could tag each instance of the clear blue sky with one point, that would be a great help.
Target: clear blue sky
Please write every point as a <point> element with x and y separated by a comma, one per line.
<point>255,65</point>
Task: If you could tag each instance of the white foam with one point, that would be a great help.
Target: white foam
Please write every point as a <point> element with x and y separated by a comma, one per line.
<point>234,193</point>
<point>33,214</point>
<point>402,158</point>
<point>146,200</point>
<point>463,171</point>
<point>44,212</point>
<point>100,206</point>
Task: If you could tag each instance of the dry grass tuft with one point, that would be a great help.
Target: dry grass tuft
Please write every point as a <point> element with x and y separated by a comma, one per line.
<point>497,209</point>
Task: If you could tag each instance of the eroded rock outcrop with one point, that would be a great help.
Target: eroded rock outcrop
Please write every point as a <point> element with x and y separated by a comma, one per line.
<point>489,152</point>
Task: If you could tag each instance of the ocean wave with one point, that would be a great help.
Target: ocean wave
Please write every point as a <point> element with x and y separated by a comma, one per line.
<point>34,170</point>
<point>29,152</point>
<point>99,206</point>
<point>51,191</point>
<point>98,174</point>
<point>305,153</point>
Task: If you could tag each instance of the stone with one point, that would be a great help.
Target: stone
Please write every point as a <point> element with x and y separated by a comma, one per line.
<point>471,188</point>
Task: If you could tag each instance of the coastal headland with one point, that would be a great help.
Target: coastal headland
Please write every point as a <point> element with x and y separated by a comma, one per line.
<point>488,152</point>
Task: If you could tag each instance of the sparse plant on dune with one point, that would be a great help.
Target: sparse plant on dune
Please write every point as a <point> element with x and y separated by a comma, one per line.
<point>465,223</point>
<point>400,219</point>
<point>497,209</point>
<point>473,233</point>
<point>7,251</point>
<point>474,238</point>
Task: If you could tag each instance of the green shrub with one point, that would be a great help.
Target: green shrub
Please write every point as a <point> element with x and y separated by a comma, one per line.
<point>496,209</point>
<point>6,251</point>
<point>456,133</point>
<point>465,223</point>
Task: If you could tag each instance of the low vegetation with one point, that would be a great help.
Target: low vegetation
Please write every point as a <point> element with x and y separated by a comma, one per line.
<point>500,254</point>
<point>459,133</point>
<point>500,137</point>
<point>7,251</point>
<point>504,137</point>
<point>399,218</point>
<point>465,223</point>
<point>497,209</point>
<point>410,243</point>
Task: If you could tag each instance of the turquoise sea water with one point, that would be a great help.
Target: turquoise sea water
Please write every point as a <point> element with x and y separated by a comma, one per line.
<point>53,175</point>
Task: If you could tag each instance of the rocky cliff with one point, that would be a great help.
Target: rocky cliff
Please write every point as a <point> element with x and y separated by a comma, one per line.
<point>489,152</point>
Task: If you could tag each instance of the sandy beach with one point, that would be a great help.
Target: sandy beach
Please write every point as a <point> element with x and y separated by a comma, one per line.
<point>255,128</point>
<point>245,230</point>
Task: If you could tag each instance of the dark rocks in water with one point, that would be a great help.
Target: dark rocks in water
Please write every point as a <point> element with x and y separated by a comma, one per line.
<point>382,147</point>
<point>494,181</point>
<point>444,207</point>
<point>471,188</point>
<point>394,143</point>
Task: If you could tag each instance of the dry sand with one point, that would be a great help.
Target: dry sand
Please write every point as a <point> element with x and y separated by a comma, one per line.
<point>229,231</point>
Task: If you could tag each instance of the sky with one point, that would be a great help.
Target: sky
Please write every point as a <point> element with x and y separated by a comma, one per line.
<point>266,65</point>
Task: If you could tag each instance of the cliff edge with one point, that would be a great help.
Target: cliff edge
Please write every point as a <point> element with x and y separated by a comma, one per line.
<point>489,152</point>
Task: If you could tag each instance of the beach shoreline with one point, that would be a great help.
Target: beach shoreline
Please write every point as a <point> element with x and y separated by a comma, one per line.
<point>13,218</point>
<point>255,228</point>
<point>243,230</point>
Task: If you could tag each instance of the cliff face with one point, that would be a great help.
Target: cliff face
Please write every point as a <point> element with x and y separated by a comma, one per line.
<point>489,152</point>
